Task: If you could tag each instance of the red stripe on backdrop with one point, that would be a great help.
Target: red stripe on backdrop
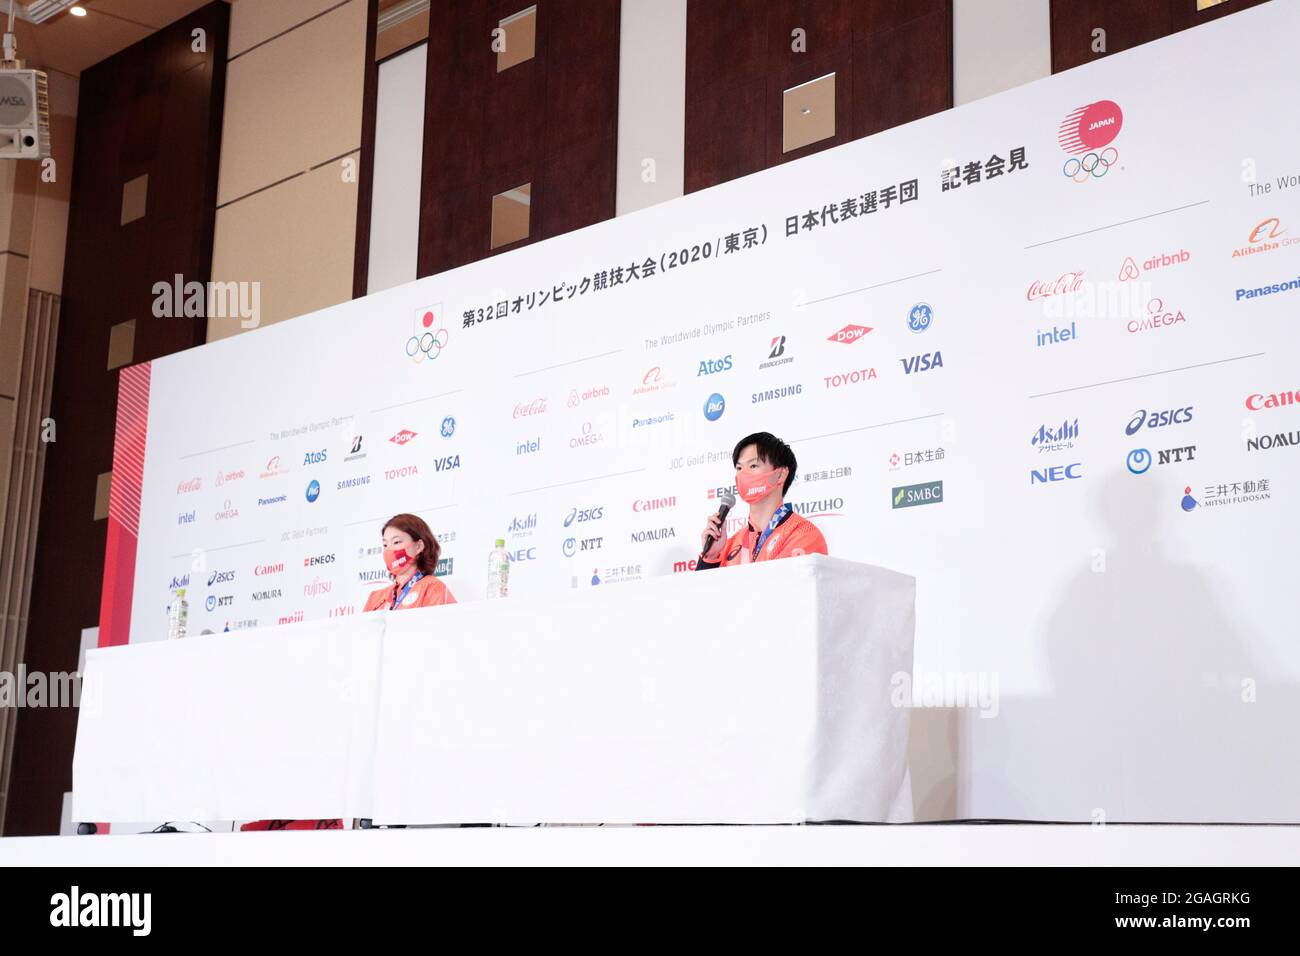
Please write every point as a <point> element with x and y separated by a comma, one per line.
<point>124,505</point>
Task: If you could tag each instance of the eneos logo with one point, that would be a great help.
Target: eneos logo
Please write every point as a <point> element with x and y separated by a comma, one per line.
<point>1086,134</point>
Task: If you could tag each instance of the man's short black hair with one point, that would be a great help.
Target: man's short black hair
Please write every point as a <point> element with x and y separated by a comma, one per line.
<point>771,450</point>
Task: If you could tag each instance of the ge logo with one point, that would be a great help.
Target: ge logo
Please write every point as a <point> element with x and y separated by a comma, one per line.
<point>448,427</point>
<point>920,317</point>
<point>427,344</point>
<point>570,545</point>
<point>1139,460</point>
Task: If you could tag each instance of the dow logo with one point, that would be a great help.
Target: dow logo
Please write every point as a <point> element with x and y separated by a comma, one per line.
<point>849,334</point>
<point>911,496</point>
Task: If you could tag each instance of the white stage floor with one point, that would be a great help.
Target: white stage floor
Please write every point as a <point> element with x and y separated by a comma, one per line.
<point>914,845</point>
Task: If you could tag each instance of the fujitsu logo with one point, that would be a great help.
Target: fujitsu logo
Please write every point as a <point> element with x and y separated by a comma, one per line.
<point>849,334</point>
<point>536,407</point>
<point>316,586</point>
<point>402,437</point>
<point>1067,282</point>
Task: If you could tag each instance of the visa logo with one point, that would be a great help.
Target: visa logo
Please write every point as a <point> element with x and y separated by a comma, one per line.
<point>922,363</point>
<point>448,463</point>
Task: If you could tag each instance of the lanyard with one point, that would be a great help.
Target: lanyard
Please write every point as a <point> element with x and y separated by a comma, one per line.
<point>782,513</point>
<point>402,597</point>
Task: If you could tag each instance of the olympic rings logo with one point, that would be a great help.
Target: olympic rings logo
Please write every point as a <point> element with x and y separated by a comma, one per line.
<point>1090,165</point>
<point>427,345</point>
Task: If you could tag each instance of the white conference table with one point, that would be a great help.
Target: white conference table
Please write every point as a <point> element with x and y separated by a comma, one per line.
<point>758,694</point>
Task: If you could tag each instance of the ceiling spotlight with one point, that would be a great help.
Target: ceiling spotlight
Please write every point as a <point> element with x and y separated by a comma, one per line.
<point>806,111</point>
<point>77,11</point>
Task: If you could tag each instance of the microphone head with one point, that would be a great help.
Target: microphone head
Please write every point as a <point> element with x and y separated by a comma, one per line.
<point>728,500</point>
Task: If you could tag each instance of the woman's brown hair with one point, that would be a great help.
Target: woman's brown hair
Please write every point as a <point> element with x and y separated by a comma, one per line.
<point>427,560</point>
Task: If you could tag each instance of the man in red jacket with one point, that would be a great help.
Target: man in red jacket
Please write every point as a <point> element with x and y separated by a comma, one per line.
<point>765,470</point>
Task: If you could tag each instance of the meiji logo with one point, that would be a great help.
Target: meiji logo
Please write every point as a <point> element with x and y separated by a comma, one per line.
<point>185,487</point>
<point>654,504</point>
<point>294,618</point>
<point>402,437</point>
<point>849,334</point>
<point>317,559</point>
<point>536,407</point>
<point>407,471</point>
<point>75,909</point>
<point>713,366</point>
<point>449,463</point>
<point>315,457</point>
<point>262,570</point>
<point>922,363</point>
<point>850,378</point>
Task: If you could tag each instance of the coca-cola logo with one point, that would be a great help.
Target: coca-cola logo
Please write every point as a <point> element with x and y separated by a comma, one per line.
<point>536,407</point>
<point>1067,283</point>
<point>192,484</point>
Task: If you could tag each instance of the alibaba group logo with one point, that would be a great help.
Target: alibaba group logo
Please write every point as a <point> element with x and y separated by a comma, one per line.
<point>1270,228</point>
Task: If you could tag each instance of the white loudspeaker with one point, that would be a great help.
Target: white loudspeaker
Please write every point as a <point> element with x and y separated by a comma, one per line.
<point>24,115</point>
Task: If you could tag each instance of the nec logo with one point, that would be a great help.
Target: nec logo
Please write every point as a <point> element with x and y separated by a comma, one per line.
<point>1056,473</point>
<point>849,334</point>
<point>523,554</point>
<point>402,437</point>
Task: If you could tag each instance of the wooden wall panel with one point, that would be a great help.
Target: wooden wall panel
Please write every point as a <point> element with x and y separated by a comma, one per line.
<point>154,108</point>
<point>892,61</point>
<point>551,121</point>
<point>1128,23</point>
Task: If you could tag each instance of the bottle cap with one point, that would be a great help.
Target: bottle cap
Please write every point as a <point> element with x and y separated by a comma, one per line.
<point>501,542</point>
<point>180,592</point>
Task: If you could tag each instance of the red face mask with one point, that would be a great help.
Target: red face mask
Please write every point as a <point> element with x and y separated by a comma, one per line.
<point>396,560</point>
<point>753,487</point>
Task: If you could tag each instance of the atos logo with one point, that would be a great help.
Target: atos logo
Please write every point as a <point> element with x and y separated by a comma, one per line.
<point>1039,476</point>
<point>315,457</point>
<point>402,437</point>
<point>920,316</point>
<point>448,463</point>
<point>714,407</point>
<point>523,554</point>
<point>313,490</point>
<point>849,334</point>
<point>220,577</point>
<point>922,363</point>
<point>448,427</point>
<point>1141,418</point>
<point>713,366</point>
<point>581,515</point>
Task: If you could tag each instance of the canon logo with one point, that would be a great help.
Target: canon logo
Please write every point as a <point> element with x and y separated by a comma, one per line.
<point>1258,402</point>
<point>262,569</point>
<point>536,407</point>
<point>654,504</point>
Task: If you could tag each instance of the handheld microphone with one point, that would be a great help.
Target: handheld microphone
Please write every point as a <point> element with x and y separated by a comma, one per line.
<point>728,499</point>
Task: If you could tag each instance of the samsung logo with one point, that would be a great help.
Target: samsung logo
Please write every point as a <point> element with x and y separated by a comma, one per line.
<point>775,393</point>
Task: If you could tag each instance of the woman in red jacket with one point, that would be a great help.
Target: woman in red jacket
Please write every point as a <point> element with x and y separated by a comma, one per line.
<point>411,556</point>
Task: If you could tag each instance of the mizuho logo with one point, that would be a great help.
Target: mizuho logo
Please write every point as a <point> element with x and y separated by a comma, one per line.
<point>1173,416</point>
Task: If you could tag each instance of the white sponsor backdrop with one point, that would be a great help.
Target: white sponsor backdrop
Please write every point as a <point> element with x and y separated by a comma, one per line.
<point>1144,655</point>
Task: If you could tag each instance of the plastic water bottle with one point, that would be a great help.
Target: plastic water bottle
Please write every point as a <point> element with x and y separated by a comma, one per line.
<point>498,570</point>
<point>178,616</point>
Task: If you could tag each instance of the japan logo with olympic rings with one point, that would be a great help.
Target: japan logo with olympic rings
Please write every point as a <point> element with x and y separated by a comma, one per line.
<point>429,337</point>
<point>1086,134</point>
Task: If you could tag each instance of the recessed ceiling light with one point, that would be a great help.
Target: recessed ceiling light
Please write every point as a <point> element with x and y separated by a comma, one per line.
<point>806,111</point>
<point>77,11</point>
